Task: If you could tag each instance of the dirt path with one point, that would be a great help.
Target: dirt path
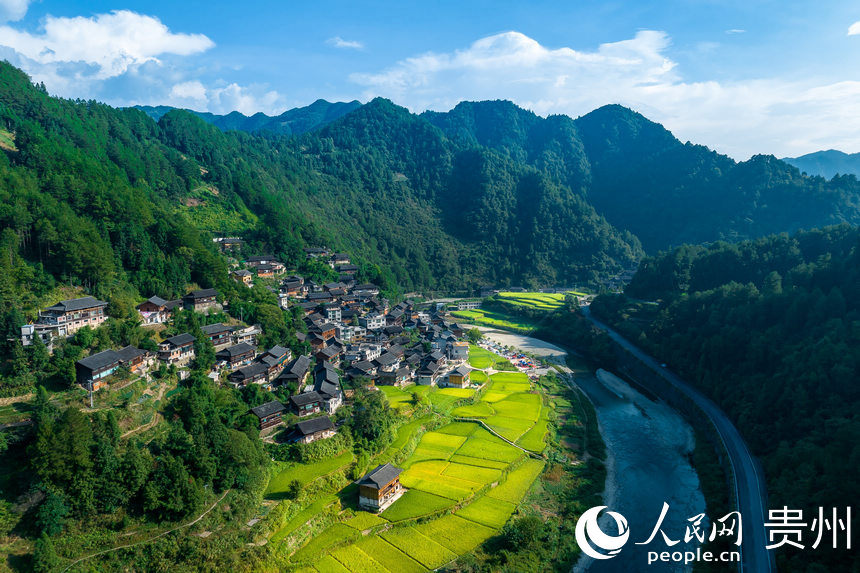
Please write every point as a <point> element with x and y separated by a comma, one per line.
<point>155,418</point>
<point>177,528</point>
<point>13,399</point>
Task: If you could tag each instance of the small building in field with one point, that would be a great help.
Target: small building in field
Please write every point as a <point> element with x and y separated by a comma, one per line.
<point>200,300</point>
<point>380,488</point>
<point>459,377</point>
<point>306,403</point>
<point>468,304</point>
<point>308,431</point>
<point>269,414</point>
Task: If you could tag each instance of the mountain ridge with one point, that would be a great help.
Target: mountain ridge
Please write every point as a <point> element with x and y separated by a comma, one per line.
<point>294,121</point>
<point>827,163</point>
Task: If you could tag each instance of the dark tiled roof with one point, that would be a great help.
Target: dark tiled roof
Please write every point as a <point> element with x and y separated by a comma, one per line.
<point>156,300</point>
<point>77,304</point>
<point>236,350</point>
<point>380,476</point>
<point>314,425</point>
<point>297,368</point>
<point>100,360</point>
<point>247,372</point>
<point>202,293</point>
<point>268,409</point>
<point>387,359</point>
<point>215,328</point>
<point>462,370</point>
<point>129,353</point>
<point>180,339</point>
<point>171,304</point>
<point>305,398</point>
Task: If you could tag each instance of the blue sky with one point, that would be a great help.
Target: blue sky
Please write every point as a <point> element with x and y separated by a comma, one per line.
<point>742,77</point>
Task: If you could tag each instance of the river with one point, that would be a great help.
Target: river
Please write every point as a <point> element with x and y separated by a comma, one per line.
<point>648,445</point>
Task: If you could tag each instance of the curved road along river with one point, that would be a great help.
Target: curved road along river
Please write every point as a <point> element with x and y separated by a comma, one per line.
<point>749,478</point>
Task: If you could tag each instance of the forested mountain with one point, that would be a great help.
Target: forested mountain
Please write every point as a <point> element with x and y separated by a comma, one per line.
<point>770,329</point>
<point>827,163</point>
<point>668,193</point>
<point>485,193</point>
<point>292,122</point>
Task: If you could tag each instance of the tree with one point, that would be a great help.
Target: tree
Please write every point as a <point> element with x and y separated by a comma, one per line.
<point>372,420</point>
<point>474,335</point>
<point>45,558</point>
<point>52,513</point>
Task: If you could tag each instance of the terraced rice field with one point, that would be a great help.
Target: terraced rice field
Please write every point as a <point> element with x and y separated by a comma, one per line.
<point>461,464</point>
<point>305,473</point>
<point>535,300</point>
<point>495,319</point>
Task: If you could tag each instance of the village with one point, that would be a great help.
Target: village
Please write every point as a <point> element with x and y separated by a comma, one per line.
<point>357,339</point>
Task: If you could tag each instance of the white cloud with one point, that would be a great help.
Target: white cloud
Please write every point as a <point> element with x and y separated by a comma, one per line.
<point>339,42</point>
<point>741,118</point>
<point>108,44</point>
<point>223,98</point>
<point>854,29</point>
<point>735,31</point>
<point>13,10</point>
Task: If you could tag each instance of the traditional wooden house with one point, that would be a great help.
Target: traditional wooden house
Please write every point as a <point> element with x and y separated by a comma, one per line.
<point>220,335</point>
<point>275,359</point>
<point>269,414</point>
<point>459,377</point>
<point>200,300</point>
<point>252,374</point>
<point>242,276</point>
<point>308,431</point>
<point>237,355</point>
<point>428,374</point>
<point>155,310</point>
<point>327,386</point>
<point>94,369</point>
<point>306,403</point>
<point>399,377</point>
<point>380,488</point>
<point>295,372</point>
<point>65,318</point>
<point>178,350</point>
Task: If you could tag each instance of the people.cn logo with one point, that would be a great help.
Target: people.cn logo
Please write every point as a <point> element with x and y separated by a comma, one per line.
<point>590,537</point>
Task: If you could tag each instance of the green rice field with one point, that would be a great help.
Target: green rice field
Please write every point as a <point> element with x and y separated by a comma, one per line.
<point>459,465</point>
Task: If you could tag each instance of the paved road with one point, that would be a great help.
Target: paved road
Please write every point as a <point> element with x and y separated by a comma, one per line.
<point>749,478</point>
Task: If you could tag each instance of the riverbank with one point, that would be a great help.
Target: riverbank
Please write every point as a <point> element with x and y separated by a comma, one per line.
<point>649,448</point>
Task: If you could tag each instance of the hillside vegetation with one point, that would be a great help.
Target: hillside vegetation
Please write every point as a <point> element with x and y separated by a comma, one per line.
<point>770,330</point>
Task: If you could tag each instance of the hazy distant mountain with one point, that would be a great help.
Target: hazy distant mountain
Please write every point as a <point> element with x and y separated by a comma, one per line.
<point>827,163</point>
<point>292,122</point>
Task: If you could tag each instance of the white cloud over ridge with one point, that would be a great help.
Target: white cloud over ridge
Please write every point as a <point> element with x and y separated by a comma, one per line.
<point>225,98</point>
<point>739,118</point>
